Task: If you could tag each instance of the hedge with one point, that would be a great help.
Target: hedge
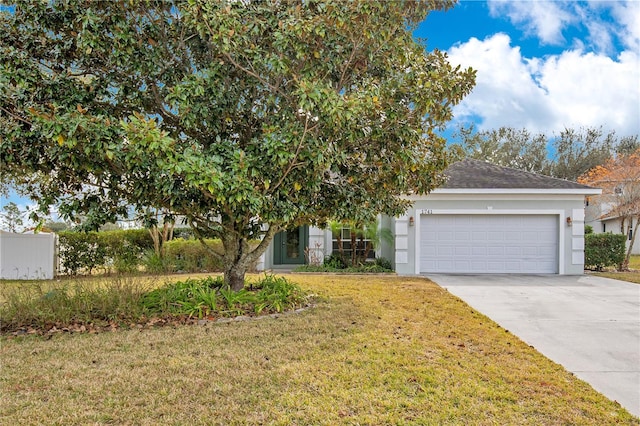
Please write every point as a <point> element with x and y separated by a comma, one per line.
<point>191,256</point>
<point>86,252</point>
<point>604,250</point>
<point>127,251</point>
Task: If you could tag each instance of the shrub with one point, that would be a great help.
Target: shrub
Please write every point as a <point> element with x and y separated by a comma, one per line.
<point>191,256</point>
<point>336,261</point>
<point>384,263</point>
<point>155,264</point>
<point>603,250</point>
<point>211,297</point>
<point>84,304</point>
<point>81,252</point>
<point>84,252</point>
<point>277,294</point>
<point>192,297</point>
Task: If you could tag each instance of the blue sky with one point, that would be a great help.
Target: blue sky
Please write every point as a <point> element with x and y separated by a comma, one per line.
<point>541,65</point>
<point>545,65</point>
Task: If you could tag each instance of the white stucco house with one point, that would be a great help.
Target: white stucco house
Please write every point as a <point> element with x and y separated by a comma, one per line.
<point>484,219</point>
<point>598,216</point>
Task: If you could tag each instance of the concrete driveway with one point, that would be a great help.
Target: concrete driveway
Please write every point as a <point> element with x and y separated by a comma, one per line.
<point>589,325</point>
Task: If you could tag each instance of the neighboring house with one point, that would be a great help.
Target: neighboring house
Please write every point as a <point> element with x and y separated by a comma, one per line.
<point>599,218</point>
<point>484,219</point>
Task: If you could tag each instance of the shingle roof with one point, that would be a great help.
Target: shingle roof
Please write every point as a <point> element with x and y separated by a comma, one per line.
<point>470,173</point>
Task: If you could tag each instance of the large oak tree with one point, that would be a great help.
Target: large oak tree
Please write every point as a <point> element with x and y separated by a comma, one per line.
<point>244,117</point>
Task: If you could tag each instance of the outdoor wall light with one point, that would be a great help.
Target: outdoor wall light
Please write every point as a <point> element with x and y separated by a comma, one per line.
<point>569,221</point>
<point>412,221</point>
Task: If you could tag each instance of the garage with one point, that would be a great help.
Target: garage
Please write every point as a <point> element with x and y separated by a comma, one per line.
<point>489,243</point>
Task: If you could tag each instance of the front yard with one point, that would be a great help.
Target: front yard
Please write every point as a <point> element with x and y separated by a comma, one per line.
<point>375,350</point>
<point>632,276</point>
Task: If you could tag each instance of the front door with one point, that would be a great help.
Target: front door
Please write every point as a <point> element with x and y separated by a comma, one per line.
<point>289,246</point>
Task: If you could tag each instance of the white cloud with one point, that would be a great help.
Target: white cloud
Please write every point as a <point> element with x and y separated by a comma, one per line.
<point>605,22</point>
<point>627,15</point>
<point>572,89</point>
<point>544,19</point>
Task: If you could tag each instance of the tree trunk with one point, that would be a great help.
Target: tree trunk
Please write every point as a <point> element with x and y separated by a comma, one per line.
<point>354,242</point>
<point>367,250</point>
<point>153,231</point>
<point>234,276</point>
<point>239,256</point>
<point>625,262</point>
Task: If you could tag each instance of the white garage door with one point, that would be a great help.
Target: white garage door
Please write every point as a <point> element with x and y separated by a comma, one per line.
<point>489,243</point>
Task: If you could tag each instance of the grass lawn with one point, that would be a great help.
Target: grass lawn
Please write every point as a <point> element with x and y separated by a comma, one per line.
<point>632,276</point>
<point>375,350</point>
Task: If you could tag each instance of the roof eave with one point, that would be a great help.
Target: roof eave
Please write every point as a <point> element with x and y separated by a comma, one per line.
<point>533,191</point>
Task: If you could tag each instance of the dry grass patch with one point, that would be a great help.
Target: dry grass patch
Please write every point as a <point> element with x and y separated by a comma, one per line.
<point>632,276</point>
<point>378,350</point>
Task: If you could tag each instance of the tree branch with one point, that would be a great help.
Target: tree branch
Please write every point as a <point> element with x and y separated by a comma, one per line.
<point>295,157</point>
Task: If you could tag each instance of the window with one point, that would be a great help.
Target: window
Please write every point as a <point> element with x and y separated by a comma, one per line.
<point>363,246</point>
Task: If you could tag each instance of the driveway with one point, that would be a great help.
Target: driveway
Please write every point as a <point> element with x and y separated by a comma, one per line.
<point>589,325</point>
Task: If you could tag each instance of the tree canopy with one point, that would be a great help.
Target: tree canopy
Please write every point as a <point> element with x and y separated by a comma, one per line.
<point>242,117</point>
<point>567,155</point>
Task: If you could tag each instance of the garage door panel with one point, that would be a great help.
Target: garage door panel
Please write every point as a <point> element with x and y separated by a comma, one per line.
<point>479,235</point>
<point>513,235</point>
<point>479,251</point>
<point>495,251</point>
<point>489,243</point>
<point>444,251</point>
<point>445,235</point>
<point>495,235</point>
<point>463,235</point>
<point>462,250</point>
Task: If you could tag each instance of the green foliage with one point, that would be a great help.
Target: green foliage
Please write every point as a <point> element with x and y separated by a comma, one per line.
<point>125,251</point>
<point>192,297</point>
<point>81,252</point>
<point>52,226</point>
<point>335,263</point>
<point>12,217</point>
<point>588,229</point>
<point>604,250</point>
<point>212,297</point>
<point>124,300</point>
<point>384,263</point>
<point>277,294</point>
<point>575,151</point>
<point>192,256</point>
<point>155,264</point>
<point>84,252</point>
<point>244,117</point>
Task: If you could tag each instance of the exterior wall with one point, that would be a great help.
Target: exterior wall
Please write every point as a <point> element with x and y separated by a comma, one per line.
<point>387,249</point>
<point>27,256</point>
<point>571,238</point>
<point>317,245</point>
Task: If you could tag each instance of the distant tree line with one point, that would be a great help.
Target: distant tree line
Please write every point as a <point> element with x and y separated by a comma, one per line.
<point>568,155</point>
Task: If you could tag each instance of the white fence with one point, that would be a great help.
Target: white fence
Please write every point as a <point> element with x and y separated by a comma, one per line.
<point>27,256</point>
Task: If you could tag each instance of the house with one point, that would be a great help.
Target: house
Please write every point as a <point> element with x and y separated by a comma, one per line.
<point>484,219</point>
<point>602,220</point>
